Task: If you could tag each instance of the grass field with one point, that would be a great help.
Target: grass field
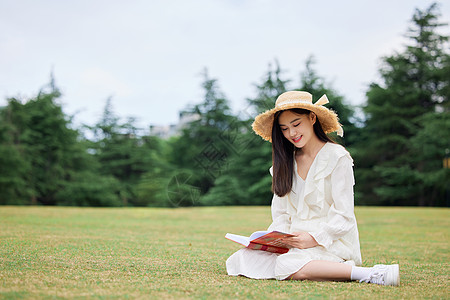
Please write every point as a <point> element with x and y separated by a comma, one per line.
<point>57,252</point>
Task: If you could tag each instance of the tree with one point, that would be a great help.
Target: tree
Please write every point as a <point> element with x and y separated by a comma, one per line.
<point>122,154</point>
<point>246,180</point>
<point>43,159</point>
<point>152,188</point>
<point>41,129</point>
<point>14,165</point>
<point>429,146</point>
<point>414,84</point>
<point>203,147</point>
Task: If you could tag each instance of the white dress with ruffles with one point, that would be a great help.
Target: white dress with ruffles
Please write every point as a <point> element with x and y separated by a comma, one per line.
<point>323,206</point>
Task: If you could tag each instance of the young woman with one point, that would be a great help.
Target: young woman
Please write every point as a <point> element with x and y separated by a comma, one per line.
<point>313,199</point>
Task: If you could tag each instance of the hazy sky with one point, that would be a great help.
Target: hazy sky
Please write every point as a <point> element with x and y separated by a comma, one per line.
<point>148,55</point>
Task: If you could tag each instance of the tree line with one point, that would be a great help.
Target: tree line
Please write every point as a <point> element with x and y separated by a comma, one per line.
<point>399,139</point>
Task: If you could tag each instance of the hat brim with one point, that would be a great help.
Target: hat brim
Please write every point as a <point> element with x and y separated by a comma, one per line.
<point>263,123</point>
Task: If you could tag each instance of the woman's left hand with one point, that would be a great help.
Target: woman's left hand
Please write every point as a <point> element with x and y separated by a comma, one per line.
<point>301,240</point>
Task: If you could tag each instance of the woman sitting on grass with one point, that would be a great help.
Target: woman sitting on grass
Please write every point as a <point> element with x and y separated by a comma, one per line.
<point>313,200</point>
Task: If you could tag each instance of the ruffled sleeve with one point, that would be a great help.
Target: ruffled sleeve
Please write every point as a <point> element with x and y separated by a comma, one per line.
<point>281,220</point>
<point>340,218</point>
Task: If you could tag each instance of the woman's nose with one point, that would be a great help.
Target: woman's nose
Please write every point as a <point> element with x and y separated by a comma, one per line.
<point>292,132</point>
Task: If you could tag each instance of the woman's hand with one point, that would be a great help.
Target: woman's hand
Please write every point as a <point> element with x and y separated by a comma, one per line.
<point>301,240</point>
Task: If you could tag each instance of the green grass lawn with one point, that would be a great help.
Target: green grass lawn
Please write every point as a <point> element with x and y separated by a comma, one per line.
<point>57,252</point>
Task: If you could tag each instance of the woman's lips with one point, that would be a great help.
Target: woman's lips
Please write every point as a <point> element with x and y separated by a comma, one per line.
<point>297,140</point>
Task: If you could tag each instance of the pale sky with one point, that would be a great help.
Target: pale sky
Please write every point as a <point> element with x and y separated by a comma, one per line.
<point>148,55</point>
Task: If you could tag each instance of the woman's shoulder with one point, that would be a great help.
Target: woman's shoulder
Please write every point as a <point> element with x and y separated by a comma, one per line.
<point>335,151</point>
<point>330,157</point>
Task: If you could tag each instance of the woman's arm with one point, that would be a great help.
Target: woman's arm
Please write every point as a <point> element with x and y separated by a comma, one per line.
<point>281,221</point>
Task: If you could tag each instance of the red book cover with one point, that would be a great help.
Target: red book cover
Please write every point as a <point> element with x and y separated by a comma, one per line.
<point>262,240</point>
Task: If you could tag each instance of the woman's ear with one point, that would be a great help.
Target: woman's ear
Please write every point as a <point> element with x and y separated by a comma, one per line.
<point>312,117</point>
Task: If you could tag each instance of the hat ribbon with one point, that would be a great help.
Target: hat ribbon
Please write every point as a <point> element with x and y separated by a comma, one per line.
<point>324,100</point>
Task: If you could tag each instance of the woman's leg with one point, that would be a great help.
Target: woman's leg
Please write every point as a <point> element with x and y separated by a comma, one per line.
<point>322,270</point>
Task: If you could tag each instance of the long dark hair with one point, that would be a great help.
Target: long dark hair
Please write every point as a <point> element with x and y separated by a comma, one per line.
<point>283,153</point>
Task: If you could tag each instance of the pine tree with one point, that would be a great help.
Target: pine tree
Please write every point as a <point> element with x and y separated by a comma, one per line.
<point>414,84</point>
<point>122,154</point>
<point>204,146</point>
<point>14,166</point>
<point>41,129</point>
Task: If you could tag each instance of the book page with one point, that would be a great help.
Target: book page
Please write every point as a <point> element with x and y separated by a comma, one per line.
<point>257,234</point>
<point>243,240</point>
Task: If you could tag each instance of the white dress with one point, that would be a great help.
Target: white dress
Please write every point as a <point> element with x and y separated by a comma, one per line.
<point>323,206</point>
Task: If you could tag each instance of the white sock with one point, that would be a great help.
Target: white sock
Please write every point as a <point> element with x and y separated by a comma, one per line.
<point>359,273</point>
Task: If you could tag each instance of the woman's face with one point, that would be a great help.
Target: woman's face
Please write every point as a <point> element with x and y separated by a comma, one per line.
<point>298,129</point>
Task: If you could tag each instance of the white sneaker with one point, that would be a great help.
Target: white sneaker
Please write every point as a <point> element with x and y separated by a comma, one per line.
<point>384,275</point>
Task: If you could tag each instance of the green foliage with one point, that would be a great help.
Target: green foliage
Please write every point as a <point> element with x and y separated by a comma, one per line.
<point>151,189</point>
<point>412,99</point>
<point>89,189</point>
<point>246,179</point>
<point>12,176</point>
<point>203,146</point>
<point>14,166</point>
<point>37,136</point>
<point>429,146</point>
<point>127,157</point>
<point>45,161</point>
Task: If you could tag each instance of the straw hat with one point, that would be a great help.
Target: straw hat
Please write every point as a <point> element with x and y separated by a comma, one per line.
<point>296,99</point>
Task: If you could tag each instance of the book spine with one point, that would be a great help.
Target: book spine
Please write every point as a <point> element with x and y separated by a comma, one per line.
<point>272,249</point>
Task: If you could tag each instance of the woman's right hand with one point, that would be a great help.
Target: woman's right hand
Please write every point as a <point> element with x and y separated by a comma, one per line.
<point>301,240</point>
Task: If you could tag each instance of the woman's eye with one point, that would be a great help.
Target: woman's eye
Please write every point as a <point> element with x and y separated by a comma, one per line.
<point>283,129</point>
<point>296,124</point>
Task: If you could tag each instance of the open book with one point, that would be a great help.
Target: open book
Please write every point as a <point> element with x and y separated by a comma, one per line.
<point>262,240</point>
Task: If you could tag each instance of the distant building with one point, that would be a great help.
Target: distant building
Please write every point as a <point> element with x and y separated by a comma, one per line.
<point>164,131</point>
<point>167,131</point>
